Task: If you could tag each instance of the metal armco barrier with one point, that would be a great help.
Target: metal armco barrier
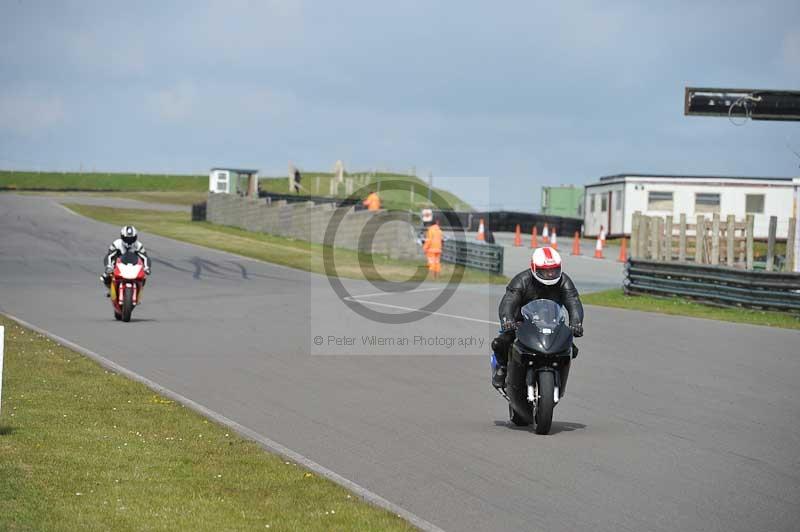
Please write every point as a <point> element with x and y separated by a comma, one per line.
<point>716,284</point>
<point>507,221</point>
<point>487,257</point>
<point>297,198</point>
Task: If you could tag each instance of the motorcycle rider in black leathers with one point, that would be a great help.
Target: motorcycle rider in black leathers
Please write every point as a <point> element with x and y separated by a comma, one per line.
<point>128,241</point>
<point>543,280</point>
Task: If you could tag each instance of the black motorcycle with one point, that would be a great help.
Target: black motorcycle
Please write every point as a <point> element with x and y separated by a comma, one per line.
<point>538,365</point>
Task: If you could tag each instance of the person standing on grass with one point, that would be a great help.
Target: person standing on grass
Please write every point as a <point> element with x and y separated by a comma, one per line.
<point>297,178</point>
<point>433,248</point>
<point>373,201</point>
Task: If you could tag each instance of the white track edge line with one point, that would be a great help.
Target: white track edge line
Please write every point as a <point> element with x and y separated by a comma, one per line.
<point>265,442</point>
<point>432,313</point>
<point>414,291</point>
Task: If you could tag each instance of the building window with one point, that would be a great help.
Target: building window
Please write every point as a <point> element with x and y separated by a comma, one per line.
<point>706,202</point>
<point>618,200</point>
<point>659,201</point>
<point>592,203</point>
<point>603,203</point>
<point>222,182</point>
<point>754,203</point>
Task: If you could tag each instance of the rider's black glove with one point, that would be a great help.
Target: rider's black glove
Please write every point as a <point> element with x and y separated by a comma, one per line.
<point>508,325</point>
<point>577,330</point>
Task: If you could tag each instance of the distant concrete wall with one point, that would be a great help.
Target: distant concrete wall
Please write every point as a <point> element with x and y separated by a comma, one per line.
<point>309,221</point>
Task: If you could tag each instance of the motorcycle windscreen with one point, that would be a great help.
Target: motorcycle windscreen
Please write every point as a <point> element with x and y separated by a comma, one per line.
<point>131,257</point>
<point>544,327</point>
<point>544,313</point>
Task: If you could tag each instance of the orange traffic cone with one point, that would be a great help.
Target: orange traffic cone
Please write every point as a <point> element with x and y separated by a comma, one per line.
<point>481,231</point>
<point>576,244</point>
<point>554,240</point>
<point>598,249</point>
<point>545,234</point>
<point>534,240</point>
<point>623,251</point>
<point>517,237</point>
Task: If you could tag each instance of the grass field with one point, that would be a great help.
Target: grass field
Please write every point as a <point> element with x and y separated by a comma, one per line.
<point>288,252</point>
<point>392,199</point>
<point>682,307</point>
<point>101,181</point>
<point>85,449</point>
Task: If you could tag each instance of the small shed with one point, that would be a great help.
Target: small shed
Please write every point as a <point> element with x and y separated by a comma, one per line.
<point>233,181</point>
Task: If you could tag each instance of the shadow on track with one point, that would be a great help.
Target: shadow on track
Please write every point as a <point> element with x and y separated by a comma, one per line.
<point>558,426</point>
<point>200,266</point>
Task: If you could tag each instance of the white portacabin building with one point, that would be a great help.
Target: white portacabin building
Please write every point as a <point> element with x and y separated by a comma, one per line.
<point>612,200</point>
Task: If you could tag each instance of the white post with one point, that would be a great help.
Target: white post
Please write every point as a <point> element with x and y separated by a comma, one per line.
<point>2,343</point>
<point>797,226</point>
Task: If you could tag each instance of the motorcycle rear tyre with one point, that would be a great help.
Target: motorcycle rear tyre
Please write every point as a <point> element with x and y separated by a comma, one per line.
<point>543,417</point>
<point>127,304</point>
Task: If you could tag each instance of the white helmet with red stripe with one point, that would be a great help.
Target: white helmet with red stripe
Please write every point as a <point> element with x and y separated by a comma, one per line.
<point>546,265</point>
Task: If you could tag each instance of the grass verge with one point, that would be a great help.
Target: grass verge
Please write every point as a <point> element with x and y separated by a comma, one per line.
<point>279,250</point>
<point>82,448</point>
<point>681,307</point>
<point>101,181</point>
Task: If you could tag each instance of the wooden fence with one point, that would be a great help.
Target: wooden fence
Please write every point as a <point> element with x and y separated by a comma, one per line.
<point>716,242</point>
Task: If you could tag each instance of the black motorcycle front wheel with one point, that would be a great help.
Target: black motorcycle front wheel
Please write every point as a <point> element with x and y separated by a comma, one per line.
<point>543,416</point>
<point>127,304</point>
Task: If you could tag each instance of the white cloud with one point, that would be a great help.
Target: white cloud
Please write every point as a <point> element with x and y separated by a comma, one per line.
<point>226,104</point>
<point>28,114</point>
<point>791,50</point>
<point>174,104</point>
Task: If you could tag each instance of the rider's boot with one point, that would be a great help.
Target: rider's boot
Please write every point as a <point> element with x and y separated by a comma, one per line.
<point>106,280</point>
<point>498,373</point>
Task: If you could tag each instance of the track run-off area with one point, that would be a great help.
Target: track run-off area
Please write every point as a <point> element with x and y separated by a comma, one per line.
<point>668,423</point>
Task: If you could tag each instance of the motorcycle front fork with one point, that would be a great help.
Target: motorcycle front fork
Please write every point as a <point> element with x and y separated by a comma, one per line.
<point>532,384</point>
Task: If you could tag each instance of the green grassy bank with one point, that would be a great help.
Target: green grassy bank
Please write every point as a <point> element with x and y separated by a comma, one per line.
<point>683,307</point>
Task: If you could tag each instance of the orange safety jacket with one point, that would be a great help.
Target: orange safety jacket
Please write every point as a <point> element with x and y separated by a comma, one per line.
<point>373,202</point>
<point>433,240</point>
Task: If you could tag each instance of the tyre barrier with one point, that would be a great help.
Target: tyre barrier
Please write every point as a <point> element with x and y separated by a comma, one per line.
<point>719,285</point>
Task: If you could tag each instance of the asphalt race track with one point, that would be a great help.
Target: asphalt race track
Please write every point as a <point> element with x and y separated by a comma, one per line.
<point>668,424</point>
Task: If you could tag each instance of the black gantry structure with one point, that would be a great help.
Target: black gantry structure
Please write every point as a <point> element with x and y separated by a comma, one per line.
<point>756,104</point>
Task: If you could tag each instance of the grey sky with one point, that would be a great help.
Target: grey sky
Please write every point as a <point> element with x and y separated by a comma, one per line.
<point>526,92</point>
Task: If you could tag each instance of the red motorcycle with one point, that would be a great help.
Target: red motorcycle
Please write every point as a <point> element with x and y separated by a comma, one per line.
<point>127,282</point>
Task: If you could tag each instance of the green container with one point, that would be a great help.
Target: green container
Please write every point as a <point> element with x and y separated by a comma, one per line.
<point>565,200</point>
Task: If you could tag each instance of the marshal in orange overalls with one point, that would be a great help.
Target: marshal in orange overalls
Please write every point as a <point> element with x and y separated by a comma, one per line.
<point>373,202</point>
<point>433,249</point>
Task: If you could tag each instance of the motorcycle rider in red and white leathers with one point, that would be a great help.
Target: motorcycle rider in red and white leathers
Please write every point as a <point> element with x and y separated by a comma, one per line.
<point>128,241</point>
<point>543,280</point>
